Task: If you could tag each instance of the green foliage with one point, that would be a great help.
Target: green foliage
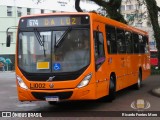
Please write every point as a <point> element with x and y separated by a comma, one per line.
<point>155,70</point>
<point>153,14</point>
<point>112,8</point>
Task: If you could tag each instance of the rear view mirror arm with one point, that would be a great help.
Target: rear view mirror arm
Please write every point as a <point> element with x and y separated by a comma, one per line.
<point>8,40</point>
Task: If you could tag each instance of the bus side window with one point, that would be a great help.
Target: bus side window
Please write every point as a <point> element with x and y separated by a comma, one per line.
<point>121,44</point>
<point>136,43</point>
<point>129,42</point>
<point>99,48</point>
<point>111,39</point>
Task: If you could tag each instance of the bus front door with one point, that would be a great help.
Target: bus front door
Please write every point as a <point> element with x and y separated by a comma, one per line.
<point>100,59</point>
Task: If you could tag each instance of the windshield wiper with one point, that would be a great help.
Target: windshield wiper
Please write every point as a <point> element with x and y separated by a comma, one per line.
<point>39,37</point>
<point>55,44</point>
<point>61,39</point>
<point>40,40</point>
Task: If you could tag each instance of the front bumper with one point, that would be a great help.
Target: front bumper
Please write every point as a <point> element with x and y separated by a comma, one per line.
<point>86,93</point>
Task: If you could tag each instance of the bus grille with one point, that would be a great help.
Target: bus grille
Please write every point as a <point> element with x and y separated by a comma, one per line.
<point>61,95</point>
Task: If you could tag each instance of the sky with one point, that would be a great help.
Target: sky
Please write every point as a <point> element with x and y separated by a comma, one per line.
<point>60,5</point>
<point>158,2</point>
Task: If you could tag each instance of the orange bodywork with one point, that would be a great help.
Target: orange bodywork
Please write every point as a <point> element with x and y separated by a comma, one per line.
<point>125,67</point>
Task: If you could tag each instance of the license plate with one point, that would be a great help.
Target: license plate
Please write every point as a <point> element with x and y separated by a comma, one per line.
<point>52,98</point>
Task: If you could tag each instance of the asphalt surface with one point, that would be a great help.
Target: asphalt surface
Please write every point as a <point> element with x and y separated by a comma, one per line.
<point>123,102</point>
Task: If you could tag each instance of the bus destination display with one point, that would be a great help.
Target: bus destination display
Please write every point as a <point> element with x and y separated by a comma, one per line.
<point>56,21</point>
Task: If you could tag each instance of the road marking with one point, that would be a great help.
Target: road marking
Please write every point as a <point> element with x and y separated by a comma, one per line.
<point>27,105</point>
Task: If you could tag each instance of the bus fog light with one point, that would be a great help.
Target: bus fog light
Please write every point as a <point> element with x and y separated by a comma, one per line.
<point>21,83</point>
<point>85,81</point>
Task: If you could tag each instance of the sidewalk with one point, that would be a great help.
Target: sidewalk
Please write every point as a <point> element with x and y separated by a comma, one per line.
<point>156,92</point>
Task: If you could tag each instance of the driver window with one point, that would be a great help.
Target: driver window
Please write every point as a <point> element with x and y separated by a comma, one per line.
<point>99,47</point>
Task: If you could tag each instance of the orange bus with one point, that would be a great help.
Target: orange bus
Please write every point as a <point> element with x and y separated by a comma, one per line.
<point>78,56</point>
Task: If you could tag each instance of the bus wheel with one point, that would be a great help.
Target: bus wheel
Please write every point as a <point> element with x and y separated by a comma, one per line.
<point>138,85</point>
<point>112,88</point>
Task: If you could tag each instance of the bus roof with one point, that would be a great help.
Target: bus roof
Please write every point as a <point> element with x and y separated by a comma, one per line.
<point>95,17</point>
<point>117,24</point>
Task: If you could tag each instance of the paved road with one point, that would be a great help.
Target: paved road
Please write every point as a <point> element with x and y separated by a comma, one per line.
<point>123,101</point>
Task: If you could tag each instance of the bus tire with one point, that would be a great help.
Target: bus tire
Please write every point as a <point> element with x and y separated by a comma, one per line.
<point>138,85</point>
<point>112,88</point>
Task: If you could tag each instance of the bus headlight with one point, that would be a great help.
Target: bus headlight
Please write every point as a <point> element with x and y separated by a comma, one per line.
<point>85,81</point>
<point>21,83</point>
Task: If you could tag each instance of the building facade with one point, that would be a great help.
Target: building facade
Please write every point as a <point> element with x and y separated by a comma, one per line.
<point>12,10</point>
<point>137,16</point>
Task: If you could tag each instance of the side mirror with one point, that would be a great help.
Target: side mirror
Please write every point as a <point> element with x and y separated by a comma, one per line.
<point>8,42</point>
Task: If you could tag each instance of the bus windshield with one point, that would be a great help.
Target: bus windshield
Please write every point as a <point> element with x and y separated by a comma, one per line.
<point>54,51</point>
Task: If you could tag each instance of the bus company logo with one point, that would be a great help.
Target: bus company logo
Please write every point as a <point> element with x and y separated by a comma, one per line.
<point>50,79</point>
<point>51,85</point>
<point>140,105</point>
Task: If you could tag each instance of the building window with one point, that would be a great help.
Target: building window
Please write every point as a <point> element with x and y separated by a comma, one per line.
<point>53,11</point>
<point>129,7</point>
<point>123,8</point>
<point>138,7</point>
<point>42,11</point>
<point>11,35</point>
<point>19,11</point>
<point>9,11</point>
<point>28,11</point>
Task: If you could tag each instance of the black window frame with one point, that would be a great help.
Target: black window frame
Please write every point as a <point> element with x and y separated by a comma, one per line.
<point>99,52</point>
<point>129,42</point>
<point>111,39</point>
<point>121,42</point>
<point>135,42</point>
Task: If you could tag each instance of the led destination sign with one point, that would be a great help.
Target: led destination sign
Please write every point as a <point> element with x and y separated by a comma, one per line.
<point>54,21</point>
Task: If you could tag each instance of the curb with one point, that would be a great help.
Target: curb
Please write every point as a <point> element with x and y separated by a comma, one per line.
<point>156,92</point>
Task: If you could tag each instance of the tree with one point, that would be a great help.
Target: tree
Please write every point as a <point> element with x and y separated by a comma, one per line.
<point>152,11</point>
<point>112,8</point>
<point>153,14</point>
<point>77,7</point>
